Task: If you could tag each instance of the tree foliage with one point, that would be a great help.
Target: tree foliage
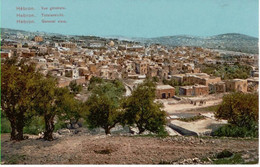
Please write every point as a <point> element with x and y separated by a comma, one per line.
<point>174,82</point>
<point>94,81</point>
<point>76,109</point>
<point>25,93</point>
<point>53,101</point>
<point>227,71</point>
<point>241,111</point>
<point>141,110</point>
<point>104,106</point>
<point>19,88</point>
<point>75,88</point>
<point>239,108</point>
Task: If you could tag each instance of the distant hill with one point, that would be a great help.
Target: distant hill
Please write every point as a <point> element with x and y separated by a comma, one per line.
<point>14,31</point>
<point>231,42</point>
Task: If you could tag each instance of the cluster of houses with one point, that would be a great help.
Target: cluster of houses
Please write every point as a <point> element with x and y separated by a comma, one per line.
<point>81,58</point>
<point>201,84</point>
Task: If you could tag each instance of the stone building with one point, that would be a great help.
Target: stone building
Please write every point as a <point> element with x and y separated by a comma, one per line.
<point>187,68</point>
<point>136,48</point>
<point>173,70</point>
<point>253,84</point>
<point>141,68</point>
<point>72,72</point>
<point>38,39</point>
<point>5,54</point>
<point>236,85</point>
<point>200,90</point>
<point>28,55</point>
<point>200,78</point>
<point>196,90</point>
<point>178,78</point>
<point>163,74</point>
<point>186,90</point>
<point>218,87</point>
<point>69,45</point>
<point>92,68</point>
<point>64,81</point>
<point>83,71</point>
<point>211,80</point>
<point>164,91</point>
<point>152,71</point>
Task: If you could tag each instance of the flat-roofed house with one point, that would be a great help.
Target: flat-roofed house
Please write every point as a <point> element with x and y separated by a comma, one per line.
<point>196,90</point>
<point>219,87</point>
<point>164,91</point>
<point>236,85</point>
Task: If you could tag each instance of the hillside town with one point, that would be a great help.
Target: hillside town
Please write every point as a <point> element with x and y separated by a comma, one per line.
<point>189,80</point>
<point>100,82</point>
<point>79,58</point>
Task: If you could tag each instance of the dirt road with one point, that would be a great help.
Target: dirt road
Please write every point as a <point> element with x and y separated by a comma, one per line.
<point>98,149</point>
<point>175,108</point>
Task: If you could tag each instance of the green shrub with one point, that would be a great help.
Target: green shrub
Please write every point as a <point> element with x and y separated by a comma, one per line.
<point>177,90</point>
<point>59,125</point>
<point>75,88</point>
<point>224,154</point>
<point>5,125</point>
<point>235,131</point>
<point>234,159</point>
<point>155,79</point>
<point>162,132</point>
<point>35,126</point>
<point>191,119</point>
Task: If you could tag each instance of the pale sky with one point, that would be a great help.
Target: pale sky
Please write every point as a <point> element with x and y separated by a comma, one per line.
<point>140,18</point>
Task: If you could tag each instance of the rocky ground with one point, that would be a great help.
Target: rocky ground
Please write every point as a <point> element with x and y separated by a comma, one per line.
<point>82,148</point>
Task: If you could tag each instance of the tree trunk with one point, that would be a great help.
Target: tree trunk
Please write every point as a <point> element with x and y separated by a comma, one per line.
<point>141,129</point>
<point>11,117</point>
<point>14,130</point>
<point>108,128</point>
<point>20,126</point>
<point>49,127</point>
<point>107,131</point>
<point>131,131</point>
<point>19,135</point>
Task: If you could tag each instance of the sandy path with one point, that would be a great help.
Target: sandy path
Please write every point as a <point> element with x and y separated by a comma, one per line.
<point>175,108</point>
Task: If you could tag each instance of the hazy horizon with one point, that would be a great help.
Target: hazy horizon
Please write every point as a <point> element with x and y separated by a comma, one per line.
<point>141,19</point>
<point>118,36</point>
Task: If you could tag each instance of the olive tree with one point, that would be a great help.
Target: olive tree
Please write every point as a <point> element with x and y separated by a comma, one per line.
<point>240,109</point>
<point>19,89</point>
<point>52,102</point>
<point>141,110</point>
<point>104,106</point>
